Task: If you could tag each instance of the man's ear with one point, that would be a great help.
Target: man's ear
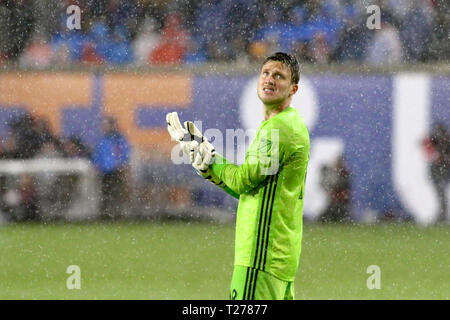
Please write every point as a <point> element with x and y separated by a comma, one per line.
<point>294,89</point>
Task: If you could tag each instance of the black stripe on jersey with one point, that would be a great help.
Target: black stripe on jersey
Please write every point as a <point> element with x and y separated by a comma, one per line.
<point>246,284</point>
<point>249,291</point>
<point>251,285</point>
<point>266,221</point>
<point>261,215</point>
<point>268,224</point>
<point>252,296</point>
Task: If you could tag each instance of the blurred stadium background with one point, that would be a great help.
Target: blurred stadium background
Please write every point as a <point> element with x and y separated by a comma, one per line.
<point>140,223</point>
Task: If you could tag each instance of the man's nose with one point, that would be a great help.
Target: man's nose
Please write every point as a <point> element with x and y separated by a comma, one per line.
<point>270,80</point>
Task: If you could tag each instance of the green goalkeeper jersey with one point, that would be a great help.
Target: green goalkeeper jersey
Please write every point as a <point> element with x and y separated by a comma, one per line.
<point>270,184</point>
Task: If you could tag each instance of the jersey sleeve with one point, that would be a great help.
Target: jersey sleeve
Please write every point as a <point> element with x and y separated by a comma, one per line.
<point>229,191</point>
<point>210,175</point>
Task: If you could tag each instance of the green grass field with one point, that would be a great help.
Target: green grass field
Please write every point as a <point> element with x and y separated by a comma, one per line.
<point>179,260</point>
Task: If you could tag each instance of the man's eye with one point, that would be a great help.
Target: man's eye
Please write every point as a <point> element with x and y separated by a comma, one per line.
<point>278,76</point>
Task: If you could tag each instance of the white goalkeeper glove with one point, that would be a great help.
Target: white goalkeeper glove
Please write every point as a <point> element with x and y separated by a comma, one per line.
<point>202,155</point>
<point>195,145</point>
<point>188,141</point>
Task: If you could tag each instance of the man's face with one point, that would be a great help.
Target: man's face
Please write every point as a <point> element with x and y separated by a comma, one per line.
<point>274,84</point>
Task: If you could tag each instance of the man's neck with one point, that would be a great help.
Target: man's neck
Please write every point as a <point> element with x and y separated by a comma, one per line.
<point>270,111</point>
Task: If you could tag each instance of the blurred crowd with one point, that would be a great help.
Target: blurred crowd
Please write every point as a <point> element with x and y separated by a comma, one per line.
<point>140,32</point>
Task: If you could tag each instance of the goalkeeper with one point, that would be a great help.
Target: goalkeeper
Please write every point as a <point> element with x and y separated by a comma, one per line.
<point>270,185</point>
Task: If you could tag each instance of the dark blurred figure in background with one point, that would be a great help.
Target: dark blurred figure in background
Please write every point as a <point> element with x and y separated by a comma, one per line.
<point>437,150</point>
<point>111,157</point>
<point>51,145</point>
<point>75,148</point>
<point>335,180</point>
<point>24,140</point>
<point>29,198</point>
<point>353,38</point>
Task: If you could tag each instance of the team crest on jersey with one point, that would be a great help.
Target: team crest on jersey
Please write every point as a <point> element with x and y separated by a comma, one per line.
<point>264,145</point>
